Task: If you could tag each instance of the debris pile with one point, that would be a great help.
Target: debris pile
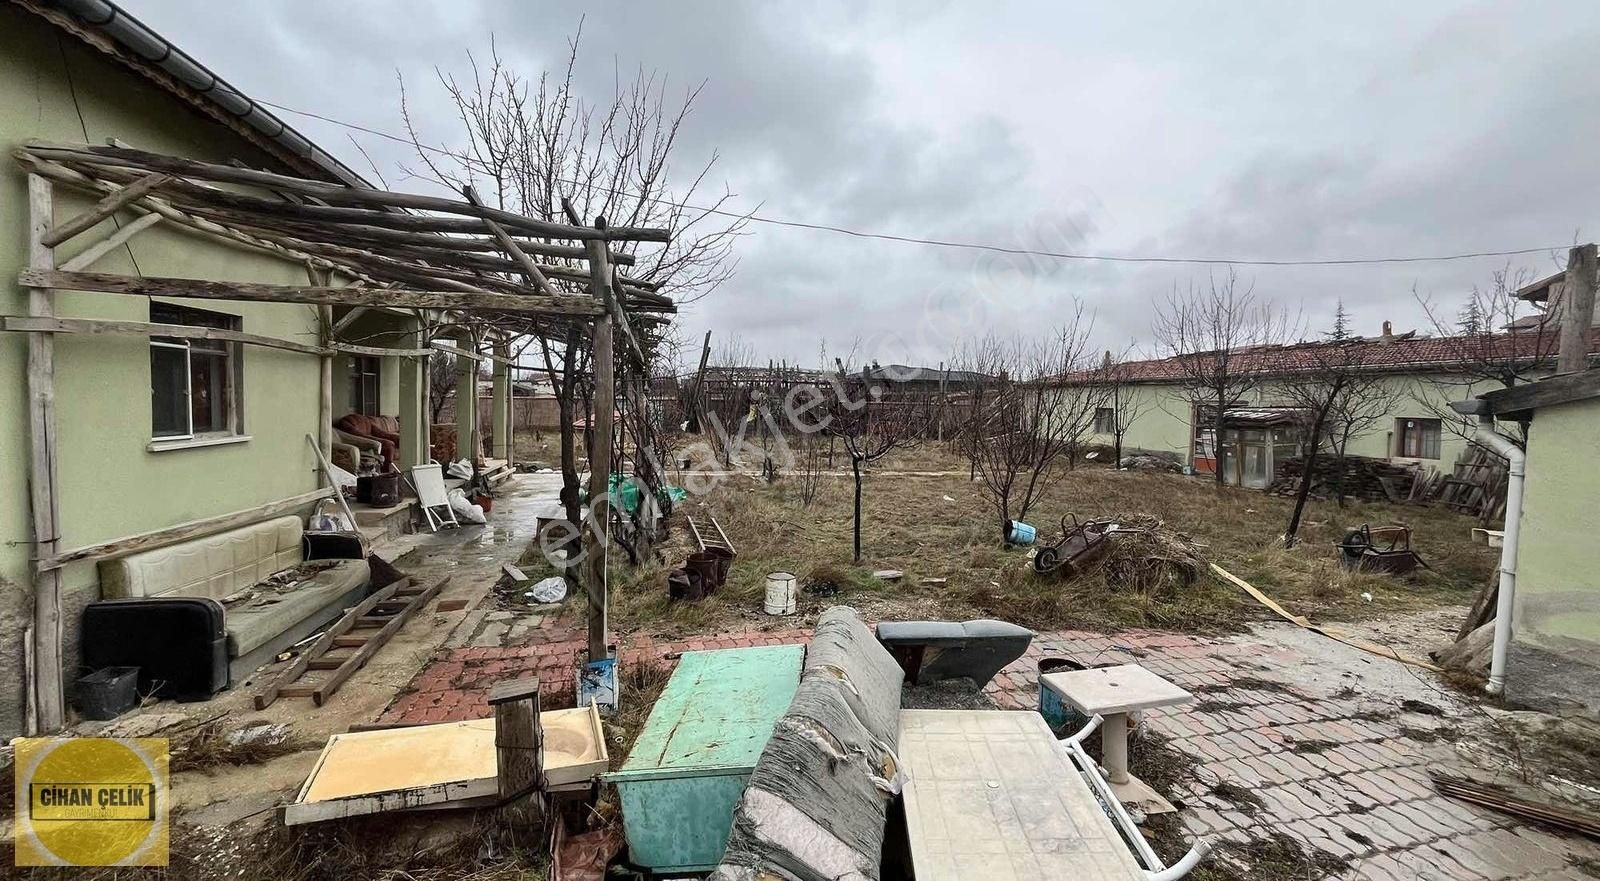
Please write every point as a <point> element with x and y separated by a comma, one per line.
<point>1150,463</point>
<point>1148,556</point>
<point>1358,477</point>
<point>1476,485</point>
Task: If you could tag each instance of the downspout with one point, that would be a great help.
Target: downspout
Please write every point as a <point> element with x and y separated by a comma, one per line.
<point>1517,458</point>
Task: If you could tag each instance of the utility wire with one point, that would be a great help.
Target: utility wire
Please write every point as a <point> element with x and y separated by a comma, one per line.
<point>971,246</point>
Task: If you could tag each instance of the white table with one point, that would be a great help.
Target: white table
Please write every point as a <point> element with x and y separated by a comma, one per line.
<point>992,795</point>
<point>1112,693</point>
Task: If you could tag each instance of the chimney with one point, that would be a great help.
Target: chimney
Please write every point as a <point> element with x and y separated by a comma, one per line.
<point>1577,311</point>
<point>1388,330</point>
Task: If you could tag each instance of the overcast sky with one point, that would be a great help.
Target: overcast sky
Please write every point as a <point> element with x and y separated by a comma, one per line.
<point>1244,130</point>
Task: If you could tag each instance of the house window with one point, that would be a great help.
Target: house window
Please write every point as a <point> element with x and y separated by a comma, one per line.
<point>364,371</point>
<point>1105,420</point>
<point>194,383</point>
<point>1417,438</point>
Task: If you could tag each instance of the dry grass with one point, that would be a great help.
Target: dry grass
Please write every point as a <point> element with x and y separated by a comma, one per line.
<point>943,527</point>
<point>215,745</point>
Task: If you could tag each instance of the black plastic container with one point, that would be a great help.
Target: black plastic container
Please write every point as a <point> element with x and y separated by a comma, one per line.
<point>107,693</point>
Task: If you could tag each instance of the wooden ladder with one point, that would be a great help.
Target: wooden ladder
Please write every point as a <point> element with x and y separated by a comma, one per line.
<point>350,642</point>
<point>707,534</point>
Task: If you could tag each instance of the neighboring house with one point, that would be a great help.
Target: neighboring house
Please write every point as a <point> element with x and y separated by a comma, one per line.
<point>154,432</point>
<point>1422,376</point>
<point>903,380</point>
<point>1553,656</point>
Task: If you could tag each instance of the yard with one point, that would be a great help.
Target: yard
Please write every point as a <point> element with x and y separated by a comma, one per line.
<point>924,517</point>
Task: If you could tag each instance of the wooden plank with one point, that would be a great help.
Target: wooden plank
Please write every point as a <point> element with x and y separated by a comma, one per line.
<point>183,531</point>
<point>111,204</point>
<point>513,573</point>
<point>48,688</point>
<point>111,242</point>
<point>281,683</point>
<point>1333,633</point>
<point>480,357</point>
<point>349,641</point>
<point>103,327</point>
<point>326,688</point>
<point>337,194</point>
<point>152,286</point>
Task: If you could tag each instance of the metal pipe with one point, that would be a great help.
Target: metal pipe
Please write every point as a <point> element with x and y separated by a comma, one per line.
<point>1119,814</point>
<point>1517,459</point>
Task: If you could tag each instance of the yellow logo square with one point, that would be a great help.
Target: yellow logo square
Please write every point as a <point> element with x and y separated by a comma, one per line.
<point>91,801</point>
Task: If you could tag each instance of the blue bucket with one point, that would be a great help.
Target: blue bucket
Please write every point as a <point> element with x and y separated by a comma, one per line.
<point>1019,533</point>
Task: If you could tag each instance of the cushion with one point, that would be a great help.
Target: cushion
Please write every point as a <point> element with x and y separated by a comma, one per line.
<point>213,566</point>
<point>250,627</point>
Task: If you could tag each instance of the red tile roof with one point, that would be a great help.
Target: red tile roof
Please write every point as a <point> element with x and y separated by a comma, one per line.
<point>1396,353</point>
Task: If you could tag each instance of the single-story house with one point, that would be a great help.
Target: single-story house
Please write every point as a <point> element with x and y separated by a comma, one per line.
<point>1551,660</point>
<point>1421,376</point>
<point>118,436</point>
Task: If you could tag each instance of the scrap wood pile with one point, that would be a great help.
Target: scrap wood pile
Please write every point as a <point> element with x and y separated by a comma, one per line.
<point>1357,477</point>
<point>1476,485</point>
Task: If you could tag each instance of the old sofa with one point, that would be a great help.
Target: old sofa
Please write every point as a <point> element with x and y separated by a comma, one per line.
<point>226,563</point>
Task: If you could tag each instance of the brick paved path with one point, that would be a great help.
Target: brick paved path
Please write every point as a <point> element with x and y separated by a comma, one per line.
<point>1334,743</point>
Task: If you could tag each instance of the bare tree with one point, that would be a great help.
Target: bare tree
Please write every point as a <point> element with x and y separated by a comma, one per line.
<point>867,429</point>
<point>441,382</point>
<point>541,149</point>
<point>1494,337</point>
<point>1335,382</point>
<point>1217,338</point>
<point>1039,406</point>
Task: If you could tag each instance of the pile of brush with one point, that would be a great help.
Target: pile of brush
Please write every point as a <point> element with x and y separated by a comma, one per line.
<point>1148,556</point>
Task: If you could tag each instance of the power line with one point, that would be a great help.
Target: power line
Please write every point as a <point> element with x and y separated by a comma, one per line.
<point>971,246</point>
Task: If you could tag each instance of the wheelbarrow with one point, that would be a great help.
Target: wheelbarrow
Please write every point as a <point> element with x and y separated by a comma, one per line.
<point>1081,544</point>
<point>1379,549</point>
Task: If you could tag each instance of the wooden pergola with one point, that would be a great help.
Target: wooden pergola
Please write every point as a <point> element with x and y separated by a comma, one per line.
<point>454,260</point>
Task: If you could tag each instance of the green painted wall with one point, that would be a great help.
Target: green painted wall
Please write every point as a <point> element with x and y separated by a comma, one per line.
<point>1162,417</point>
<point>1558,565</point>
<point>111,485</point>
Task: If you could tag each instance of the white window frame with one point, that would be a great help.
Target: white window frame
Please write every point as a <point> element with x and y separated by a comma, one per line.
<point>188,391</point>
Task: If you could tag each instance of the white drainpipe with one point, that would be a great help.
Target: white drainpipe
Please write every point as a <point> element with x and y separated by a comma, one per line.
<point>1514,454</point>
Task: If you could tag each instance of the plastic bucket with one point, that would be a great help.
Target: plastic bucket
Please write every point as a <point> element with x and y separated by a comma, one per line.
<point>780,593</point>
<point>1019,533</point>
<point>706,566</point>
<point>1061,718</point>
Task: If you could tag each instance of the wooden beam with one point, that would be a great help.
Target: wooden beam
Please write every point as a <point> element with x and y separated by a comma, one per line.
<point>152,286</point>
<point>105,327</point>
<point>443,346</point>
<point>111,204</point>
<point>601,285</point>
<point>377,235</point>
<point>519,747</point>
<point>48,686</point>
<point>378,351</point>
<point>605,403</point>
<point>333,193</point>
<point>119,547</point>
<point>111,242</point>
<point>528,267</point>
<point>1563,389</point>
<point>1577,310</point>
<point>348,318</point>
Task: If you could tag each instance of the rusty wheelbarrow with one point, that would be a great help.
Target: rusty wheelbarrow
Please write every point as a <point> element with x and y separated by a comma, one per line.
<point>1379,549</point>
<point>1081,544</point>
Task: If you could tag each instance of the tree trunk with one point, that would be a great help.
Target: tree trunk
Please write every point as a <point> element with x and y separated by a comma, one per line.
<point>1216,441</point>
<point>855,467</point>
<point>1116,449</point>
<point>1305,479</point>
<point>569,452</point>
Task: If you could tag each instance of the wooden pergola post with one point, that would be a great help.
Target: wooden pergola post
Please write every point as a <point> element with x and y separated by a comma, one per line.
<point>501,417</point>
<point>47,709</point>
<point>467,443</point>
<point>519,746</point>
<point>605,397</point>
